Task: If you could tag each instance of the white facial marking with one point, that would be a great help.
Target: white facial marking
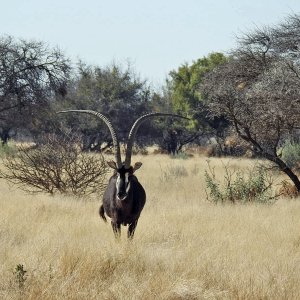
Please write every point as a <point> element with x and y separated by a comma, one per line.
<point>118,182</point>
<point>126,183</point>
<point>118,178</point>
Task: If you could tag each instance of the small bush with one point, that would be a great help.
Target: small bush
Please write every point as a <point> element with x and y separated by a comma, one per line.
<point>180,155</point>
<point>20,274</point>
<point>287,189</point>
<point>291,154</point>
<point>139,150</point>
<point>173,172</point>
<point>213,150</point>
<point>239,188</point>
<point>56,166</point>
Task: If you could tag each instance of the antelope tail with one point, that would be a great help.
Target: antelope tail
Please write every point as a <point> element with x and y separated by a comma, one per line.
<point>101,213</point>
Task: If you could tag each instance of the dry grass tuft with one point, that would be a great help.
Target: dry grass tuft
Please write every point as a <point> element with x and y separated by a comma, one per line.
<point>287,189</point>
<point>184,248</point>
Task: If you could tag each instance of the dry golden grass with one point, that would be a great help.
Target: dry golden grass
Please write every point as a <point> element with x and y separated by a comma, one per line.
<point>184,248</point>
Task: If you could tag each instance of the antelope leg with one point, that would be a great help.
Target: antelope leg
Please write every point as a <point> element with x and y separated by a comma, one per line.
<point>131,229</point>
<point>116,228</point>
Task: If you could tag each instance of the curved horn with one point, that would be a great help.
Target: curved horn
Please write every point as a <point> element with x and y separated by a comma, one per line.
<point>110,127</point>
<point>134,129</point>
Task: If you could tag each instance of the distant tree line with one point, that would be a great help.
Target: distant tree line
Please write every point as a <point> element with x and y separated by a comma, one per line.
<point>252,92</point>
<point>37,81</point>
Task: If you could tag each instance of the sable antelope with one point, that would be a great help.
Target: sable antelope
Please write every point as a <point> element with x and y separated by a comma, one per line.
<point>124,197</point>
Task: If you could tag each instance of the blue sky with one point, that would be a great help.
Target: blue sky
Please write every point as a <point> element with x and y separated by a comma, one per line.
<point>156,36</point>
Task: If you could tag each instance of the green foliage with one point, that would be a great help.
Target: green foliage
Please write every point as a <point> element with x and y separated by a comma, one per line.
<point>291,154</point>
<point>238,187</point>
<point>185,82</point>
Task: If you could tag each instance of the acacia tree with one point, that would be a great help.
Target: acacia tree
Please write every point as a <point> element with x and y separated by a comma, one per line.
<point>30,75</point>
<point>258,89</point>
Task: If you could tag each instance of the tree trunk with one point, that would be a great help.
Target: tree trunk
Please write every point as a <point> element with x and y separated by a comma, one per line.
<point>293,177</point>
<point>284,168</point>
<point>4,136</point>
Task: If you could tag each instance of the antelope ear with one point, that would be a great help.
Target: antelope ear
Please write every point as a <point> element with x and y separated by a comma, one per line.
<point>112,164</point>
<point>137,165</point>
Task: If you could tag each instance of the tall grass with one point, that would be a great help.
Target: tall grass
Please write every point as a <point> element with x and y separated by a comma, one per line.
<point>184,248</point>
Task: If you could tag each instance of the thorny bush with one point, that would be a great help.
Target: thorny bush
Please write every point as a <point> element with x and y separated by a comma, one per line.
<point>58,165</point>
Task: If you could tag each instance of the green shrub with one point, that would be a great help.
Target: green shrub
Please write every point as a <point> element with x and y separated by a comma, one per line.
<point>291,154</point>
<point>256,186</point>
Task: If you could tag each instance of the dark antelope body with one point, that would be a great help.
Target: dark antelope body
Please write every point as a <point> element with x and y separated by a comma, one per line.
<point>124,197</point>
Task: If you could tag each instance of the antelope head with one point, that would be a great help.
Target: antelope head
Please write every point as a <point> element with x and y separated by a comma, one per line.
<point>123,182</point>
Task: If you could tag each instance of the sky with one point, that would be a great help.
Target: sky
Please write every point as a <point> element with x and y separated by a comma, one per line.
<point>155,36</point>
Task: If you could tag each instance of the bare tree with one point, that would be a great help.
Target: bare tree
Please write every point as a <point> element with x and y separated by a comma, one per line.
<point>258,89</point>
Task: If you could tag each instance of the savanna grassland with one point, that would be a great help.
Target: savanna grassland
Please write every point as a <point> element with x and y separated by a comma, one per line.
<point>185,247</point>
